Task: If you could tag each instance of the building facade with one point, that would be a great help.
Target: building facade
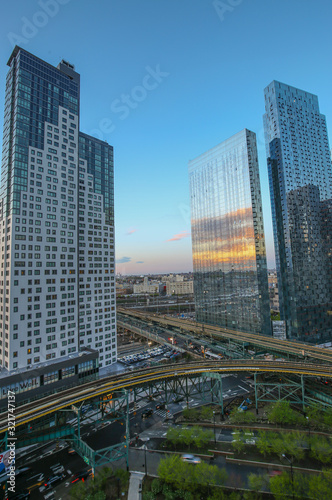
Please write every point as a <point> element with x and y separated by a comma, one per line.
<point>57,287</point>
<point>146,287</point>
<point>177,287</point>
<point>300,177</point>
<point>230,272</point>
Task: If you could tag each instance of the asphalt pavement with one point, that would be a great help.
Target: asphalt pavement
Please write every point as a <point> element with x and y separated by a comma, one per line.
<point>106,434</point>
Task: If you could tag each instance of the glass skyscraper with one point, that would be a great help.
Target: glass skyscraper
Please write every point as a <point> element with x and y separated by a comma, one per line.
<point>57,287</point>
<point>230,272</point>
<point>300,177</point>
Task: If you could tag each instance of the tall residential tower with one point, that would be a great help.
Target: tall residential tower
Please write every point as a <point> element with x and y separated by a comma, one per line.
<point>300,177</point>
<point>57,290</point>
<point>230,272</point>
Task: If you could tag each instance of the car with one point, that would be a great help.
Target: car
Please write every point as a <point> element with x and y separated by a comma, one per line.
<point>71,451</point>
<point>161,405</point>
<point>191,459</point>
<point>147,413</point>
<point>58,470</point>
<point>81,475</point>
<point>53,480</point>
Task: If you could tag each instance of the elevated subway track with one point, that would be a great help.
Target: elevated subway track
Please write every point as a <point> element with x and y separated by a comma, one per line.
<point>51,404</point>
<point>285,347</point>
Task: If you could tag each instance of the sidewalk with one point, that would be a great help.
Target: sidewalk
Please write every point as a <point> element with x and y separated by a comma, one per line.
<point>135,485</point>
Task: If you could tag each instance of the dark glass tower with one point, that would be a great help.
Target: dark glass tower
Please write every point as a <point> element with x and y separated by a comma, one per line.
<point>230,272</point>
<point>99,157</point>
<point>300,177</point>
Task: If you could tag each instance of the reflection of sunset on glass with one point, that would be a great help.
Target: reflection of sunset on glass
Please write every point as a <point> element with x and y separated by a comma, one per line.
<point>230,274</point>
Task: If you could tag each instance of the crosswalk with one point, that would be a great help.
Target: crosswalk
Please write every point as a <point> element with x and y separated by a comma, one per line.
<point>162,413</point>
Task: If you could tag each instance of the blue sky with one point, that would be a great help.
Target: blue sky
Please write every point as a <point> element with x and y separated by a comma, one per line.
<point>165,80</point>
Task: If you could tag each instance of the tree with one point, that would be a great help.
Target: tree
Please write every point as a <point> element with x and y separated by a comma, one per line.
<point>237,442</point>
<point>320,486</point>
<point>206,413</point>
<point>257,482</point>
<point>281,413</point>
<point>99,495</point>
<point>201,437</point>
<point>78,491</point>
<point>156,486</point>
<point>281,486</point>
<point>185,476</point>
<point>321,449</point>
<point>263,443</point>
<point>190,414</point>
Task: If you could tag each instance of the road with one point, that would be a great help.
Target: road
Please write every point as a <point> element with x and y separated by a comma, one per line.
<point>98,437</point>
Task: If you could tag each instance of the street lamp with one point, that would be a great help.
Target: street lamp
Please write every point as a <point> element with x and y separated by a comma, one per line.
<point>292,479</point>
<point>214,426</point>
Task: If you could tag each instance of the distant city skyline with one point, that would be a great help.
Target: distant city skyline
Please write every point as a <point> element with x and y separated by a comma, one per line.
<point>164,81</point>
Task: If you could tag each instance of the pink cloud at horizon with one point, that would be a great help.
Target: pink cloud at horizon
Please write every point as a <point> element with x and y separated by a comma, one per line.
<point>180,236</point>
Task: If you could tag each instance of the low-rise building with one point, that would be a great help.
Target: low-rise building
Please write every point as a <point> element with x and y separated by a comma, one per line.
<point>179,287</point>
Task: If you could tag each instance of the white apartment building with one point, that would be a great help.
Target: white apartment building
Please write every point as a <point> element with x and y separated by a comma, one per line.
<point>57,287</point>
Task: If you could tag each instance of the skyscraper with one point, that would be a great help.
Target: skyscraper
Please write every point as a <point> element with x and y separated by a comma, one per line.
<point>300,177</point>
<point>230,272</point>
<point>57,290</point>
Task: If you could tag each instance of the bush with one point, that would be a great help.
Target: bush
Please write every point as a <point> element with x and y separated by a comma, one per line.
<point>242,417</point>
<point>281,413</point>
<point>156,486</point>
<point>190,414</point>
<point>148,496</point>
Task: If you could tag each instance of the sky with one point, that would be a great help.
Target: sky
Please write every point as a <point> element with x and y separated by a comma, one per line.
<point>164,81</point>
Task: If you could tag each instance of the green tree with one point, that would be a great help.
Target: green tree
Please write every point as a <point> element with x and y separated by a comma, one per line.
<point>190,414</point>
<point>201,437</point>
<point>320,486</point>
<point>182,475</point>
<point>148,495</point>
<point>99,495</point>
<point>321,449</point>
<point>327,417</point>
<point>206,413</point>
<point>156,486</point>
<point>79,491</point>
<point>281,486</point>
<point>263,443</point>
<point>237,442</point>
<point>257,482</point>
<point>281,413</point>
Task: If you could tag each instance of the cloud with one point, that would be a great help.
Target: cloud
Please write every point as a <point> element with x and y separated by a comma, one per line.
<point>123,260</point>
<point>140,262</point>
<point>180,236</point>
<point>131,231</point>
